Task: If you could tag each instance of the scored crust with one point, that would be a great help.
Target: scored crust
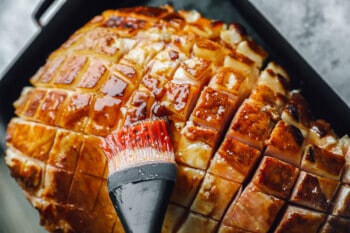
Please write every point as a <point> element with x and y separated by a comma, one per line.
<point>250,156</point>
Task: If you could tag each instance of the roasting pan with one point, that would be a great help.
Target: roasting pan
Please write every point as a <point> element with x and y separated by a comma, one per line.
<point>324,102</point>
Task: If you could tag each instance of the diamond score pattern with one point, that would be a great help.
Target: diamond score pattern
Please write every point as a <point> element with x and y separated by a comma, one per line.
<point>250,158</point>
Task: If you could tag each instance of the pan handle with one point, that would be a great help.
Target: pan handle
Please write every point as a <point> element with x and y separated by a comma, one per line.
<point>40,10</point>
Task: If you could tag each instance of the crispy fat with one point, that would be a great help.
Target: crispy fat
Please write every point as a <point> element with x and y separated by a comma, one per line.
<point>250,156</point>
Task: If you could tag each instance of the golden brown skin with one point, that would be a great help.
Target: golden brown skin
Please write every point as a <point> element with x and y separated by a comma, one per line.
<point>250,156</point>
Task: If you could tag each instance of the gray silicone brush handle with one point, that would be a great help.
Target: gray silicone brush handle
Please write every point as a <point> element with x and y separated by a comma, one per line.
<point>141,204</point>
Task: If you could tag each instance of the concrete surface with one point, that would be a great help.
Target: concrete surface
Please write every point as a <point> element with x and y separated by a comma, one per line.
<point>320,32</point>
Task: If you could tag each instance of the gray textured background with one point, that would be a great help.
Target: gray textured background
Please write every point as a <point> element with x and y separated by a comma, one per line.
<point>318,29</point>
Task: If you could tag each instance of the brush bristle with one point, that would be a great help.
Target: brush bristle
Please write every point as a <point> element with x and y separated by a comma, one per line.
<point>141,143</point>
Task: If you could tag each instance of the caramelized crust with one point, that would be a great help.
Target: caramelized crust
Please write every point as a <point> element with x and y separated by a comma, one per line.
<point>342,202</point>
<point>227,229</point>
<point>322,162</point>
<point>115,86</point>
<point>139,107</point>
<point>322,135</point>
<point>285,143</point>
<point>297,112</point>
<point>187,184</point>
<point>296,219</point>
<point>172,218</point>
<point>214,196</point>
<point>179,99</point>
<point>254,211</point>
<point>69,70</point>
<point>27,173</point>
<point>314,192</point>
<point>202,224</point>
<point>44,139</point>
<point>266,97</point>
<point>335,224</point>
<point>103,119</point>
<point>236,85</point>
<point>65,150</point>
<point>75,115</point>
<point>251,125</point>
<point>195,146</point>
<point>275,177</point>
<point>51,107</point>
<point>234,160</point>
<point>213,109</point>
<point>250,156</point>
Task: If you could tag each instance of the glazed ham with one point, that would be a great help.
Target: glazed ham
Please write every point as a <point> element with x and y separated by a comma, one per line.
<point>250,156</point>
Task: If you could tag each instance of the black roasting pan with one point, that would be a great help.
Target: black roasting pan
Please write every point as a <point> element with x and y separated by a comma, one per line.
<point>325,103</point>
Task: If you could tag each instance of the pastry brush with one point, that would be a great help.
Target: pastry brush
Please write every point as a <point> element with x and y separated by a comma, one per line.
<point>142,173</point>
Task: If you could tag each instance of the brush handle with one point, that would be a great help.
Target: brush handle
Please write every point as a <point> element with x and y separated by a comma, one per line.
<point>140,196</point>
